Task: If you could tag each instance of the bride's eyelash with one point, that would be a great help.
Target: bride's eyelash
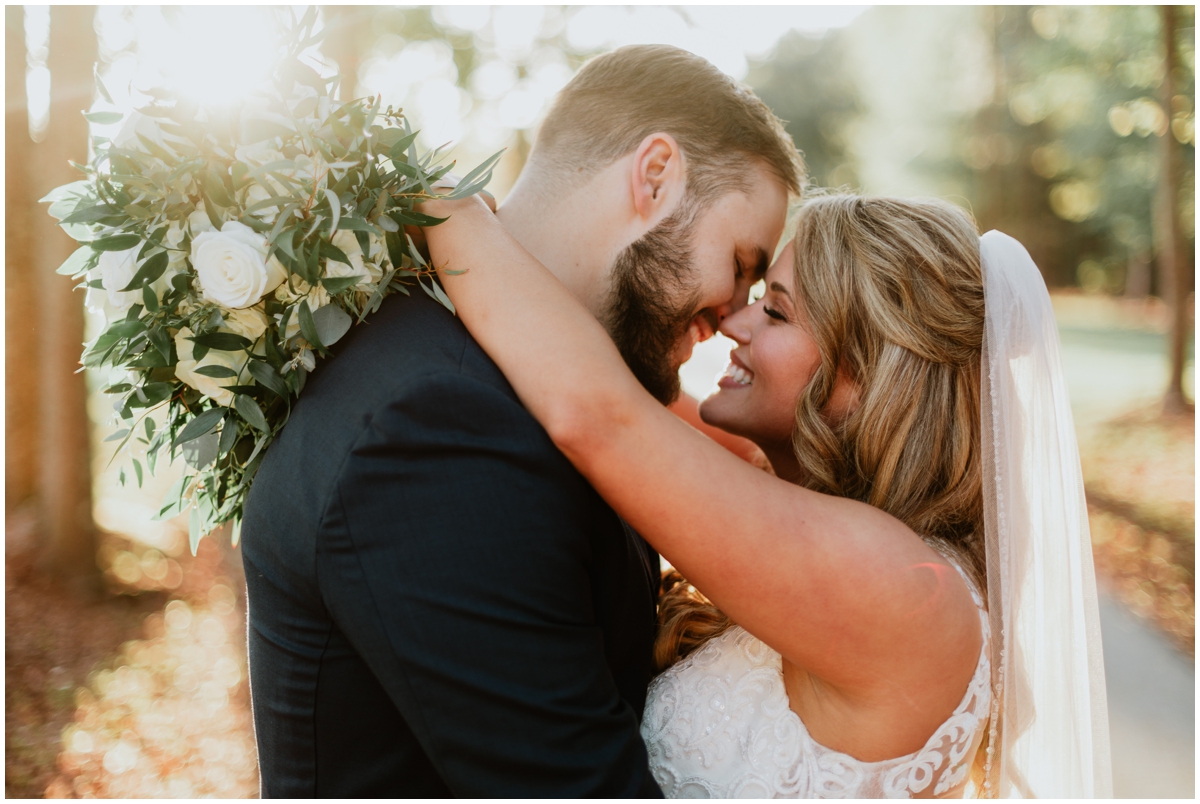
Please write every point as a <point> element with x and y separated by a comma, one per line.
<point>774,313</point>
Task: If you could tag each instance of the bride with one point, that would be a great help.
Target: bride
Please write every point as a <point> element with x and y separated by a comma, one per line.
<point>907,608</point>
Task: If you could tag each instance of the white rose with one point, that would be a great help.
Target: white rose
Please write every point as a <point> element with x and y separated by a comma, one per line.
<point>250,324</point>
<point>348,243</point>
<point>232,266</point>
<point>198,221</point>
<point>116,272</point>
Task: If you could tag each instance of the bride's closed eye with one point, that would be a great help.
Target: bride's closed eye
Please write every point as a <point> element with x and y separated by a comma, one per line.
<point>773,313</point>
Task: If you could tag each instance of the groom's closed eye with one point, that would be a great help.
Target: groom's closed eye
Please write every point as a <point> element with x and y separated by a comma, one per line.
<point>760,263</point>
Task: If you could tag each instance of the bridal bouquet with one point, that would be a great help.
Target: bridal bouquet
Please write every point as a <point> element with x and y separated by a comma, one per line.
<point>230,248</point>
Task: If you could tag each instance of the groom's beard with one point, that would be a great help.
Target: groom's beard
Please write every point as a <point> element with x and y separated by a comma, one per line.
<point>652,301</point>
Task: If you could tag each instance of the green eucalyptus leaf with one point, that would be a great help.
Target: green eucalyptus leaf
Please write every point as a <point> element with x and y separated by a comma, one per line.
<point>103,90</point>
<point>336,284</point>
<point>358,225</point>
<point>122,242</point>
<point>103,118</point>
<point>201,451</point>
<point>161,340</point>
<point>117,436</point>
<point>173,500</point>
<point>268,377</point>
<point>150,270</point>
<point>308,328</point>
<point>222,341</point>
<point>216,371</point>
<point>335,207</point>
<point>437,294</point>
<point>399,150</point>
<point>331,323</point>
<point>251,412</point>
<point>82,259</point>
<point>410,218</point>
<point>150,299</point>
<point>90,214</point>
<point>204,423</point>
<point>332,252</point>
<point>229,435</point>
<point>124,329</point>
<point>214,189</point>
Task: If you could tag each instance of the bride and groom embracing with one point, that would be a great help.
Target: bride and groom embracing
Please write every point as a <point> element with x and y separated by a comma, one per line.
<point>452,550</point>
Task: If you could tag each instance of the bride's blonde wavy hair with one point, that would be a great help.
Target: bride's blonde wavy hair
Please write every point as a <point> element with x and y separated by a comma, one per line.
<point>893,292</point>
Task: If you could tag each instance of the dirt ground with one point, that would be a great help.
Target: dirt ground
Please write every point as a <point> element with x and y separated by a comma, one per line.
<point>141,694</point>
<point>52,641</point>
<point>1139,471</point>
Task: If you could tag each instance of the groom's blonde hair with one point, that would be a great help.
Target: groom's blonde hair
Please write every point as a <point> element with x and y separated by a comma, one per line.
<point>621,97</point>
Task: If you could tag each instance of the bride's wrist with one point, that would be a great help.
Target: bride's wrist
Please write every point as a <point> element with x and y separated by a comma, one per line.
<point>445,208</point>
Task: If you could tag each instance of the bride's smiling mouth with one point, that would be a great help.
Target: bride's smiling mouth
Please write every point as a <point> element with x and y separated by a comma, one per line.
<point>736,375</point>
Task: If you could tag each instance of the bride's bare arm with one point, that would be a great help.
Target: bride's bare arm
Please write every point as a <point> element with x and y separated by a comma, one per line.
<point>832,584</point>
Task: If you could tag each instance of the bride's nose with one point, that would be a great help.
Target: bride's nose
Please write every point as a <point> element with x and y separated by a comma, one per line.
<point>736,326</point>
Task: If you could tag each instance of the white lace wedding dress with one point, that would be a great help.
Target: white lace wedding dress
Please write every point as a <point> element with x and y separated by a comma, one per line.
<point>718,725</point>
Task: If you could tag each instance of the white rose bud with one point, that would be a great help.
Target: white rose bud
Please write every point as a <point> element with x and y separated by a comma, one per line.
<point>116,272</point>
<point>232,266</point>
<point>173,240</point>
<point>198,221</point>
<point>250,324</point>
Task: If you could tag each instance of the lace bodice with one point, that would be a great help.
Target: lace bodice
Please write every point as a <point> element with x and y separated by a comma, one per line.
<point>718,725</point>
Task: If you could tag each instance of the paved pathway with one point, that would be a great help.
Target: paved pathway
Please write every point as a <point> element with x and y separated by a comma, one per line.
<point>1151,709</point>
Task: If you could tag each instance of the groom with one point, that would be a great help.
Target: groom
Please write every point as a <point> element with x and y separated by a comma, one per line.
<point>439,604</point>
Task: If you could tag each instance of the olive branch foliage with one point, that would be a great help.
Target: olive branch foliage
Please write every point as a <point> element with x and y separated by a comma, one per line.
<point>346,167</point>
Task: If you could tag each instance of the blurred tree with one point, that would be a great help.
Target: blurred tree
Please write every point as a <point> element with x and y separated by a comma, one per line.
<point>1170,240</point>
<point>806,83</point>
<point>64,477</point>
<point>1068,156</point>
<point>349,31</point>
<point>21,292</point>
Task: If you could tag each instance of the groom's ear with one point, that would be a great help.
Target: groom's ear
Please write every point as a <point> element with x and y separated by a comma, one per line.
<point>658,177</point>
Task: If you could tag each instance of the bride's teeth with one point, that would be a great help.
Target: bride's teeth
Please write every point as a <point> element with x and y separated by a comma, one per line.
<point>739,375</point>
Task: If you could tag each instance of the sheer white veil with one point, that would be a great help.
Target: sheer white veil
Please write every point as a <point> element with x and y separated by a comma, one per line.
<point>1049,725</point>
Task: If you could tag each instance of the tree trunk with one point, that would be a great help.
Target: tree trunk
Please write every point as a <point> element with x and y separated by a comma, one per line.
<point>1171,241</point>
<point>20,280</point>
<point>349,36</point>
<point>65,479</point>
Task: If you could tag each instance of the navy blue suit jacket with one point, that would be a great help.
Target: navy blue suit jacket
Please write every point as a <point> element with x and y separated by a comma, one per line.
<point>439,604</point>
